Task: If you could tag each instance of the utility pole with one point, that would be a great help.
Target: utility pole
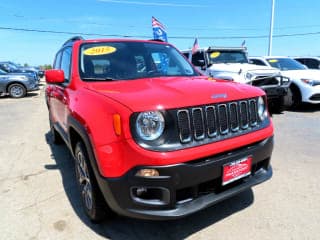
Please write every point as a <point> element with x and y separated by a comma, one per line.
<point>271,29</point>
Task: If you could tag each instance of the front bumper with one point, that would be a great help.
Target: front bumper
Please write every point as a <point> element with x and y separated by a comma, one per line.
<point>184,188</point>
<point>275,92</point>
<point>32,87</point>
<point>310,94</point>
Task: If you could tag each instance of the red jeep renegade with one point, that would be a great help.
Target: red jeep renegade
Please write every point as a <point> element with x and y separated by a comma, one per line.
<point>152,138</point>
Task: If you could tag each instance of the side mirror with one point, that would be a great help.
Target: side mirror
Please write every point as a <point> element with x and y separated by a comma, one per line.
<point>54,76</point>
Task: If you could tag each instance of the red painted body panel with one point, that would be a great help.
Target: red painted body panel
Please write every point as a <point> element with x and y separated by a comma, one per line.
<point>172,92</point>
<point>117,158</point>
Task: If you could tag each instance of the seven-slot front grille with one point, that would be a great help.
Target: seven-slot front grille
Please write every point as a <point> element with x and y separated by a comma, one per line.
<point>218,120</point>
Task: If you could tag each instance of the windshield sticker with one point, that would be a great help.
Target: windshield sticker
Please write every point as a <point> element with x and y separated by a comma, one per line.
<point>214,54</point>
<point>273,60</point>
<point>101,50</point>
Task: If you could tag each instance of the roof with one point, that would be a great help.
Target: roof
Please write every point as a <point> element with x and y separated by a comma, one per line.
<point>219,48</point>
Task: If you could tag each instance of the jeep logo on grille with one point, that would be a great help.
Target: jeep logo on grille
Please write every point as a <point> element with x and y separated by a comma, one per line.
<point>220,95</point>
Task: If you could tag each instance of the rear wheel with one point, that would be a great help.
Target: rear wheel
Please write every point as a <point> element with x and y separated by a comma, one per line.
<point>17,90</point>
<point>92,200</point>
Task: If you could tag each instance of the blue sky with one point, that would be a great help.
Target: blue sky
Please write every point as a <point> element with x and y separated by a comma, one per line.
<point>208,20</point>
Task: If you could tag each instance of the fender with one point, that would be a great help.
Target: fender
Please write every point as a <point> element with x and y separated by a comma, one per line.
<point>80,130</point>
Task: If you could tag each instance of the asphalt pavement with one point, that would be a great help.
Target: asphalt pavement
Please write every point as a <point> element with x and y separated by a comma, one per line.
<point>39,199</point>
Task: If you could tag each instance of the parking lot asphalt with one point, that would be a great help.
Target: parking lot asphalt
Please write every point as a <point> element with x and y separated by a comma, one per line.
<point>39,199</point>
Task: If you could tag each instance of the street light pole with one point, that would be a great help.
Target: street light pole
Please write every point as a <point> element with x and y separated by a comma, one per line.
<point>271,29</point>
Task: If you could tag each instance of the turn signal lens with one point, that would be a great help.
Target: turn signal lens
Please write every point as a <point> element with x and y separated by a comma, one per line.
<point>147,173</point>
<point>117,124</point>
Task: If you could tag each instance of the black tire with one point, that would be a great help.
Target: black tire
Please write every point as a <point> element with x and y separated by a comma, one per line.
<point>296,96</point>
<point>93,202</point>
<point>55,136</point>
<point>17,90</point>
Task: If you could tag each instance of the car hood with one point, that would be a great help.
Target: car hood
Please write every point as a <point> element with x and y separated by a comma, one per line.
<point>299,74</point>
<point>243,68</point>
<point>172,92</point>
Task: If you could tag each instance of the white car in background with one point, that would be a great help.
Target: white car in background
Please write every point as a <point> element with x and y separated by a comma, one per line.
<point>305,83</point>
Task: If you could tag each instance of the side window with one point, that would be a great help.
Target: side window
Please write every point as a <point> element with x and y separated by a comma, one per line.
<point>258,62</point>
<point>65,63</point>
<point>186,54</point>
<point>57,61</point>
<point>198,59</point>
<point>312,63</point>
<point>301,60</point>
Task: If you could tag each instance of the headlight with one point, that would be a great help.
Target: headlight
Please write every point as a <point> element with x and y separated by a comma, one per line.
<point>262,109</point>
<point>249,75</point>
<point>308,81</point>
<point>311,82</point>
<point>150,125</point>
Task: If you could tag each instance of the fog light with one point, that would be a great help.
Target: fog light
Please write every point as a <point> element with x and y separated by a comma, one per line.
<point>147,172</point>
<point>140,191</point>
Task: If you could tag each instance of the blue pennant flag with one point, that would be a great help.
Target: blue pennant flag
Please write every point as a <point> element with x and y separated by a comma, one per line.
<point>159,31</point>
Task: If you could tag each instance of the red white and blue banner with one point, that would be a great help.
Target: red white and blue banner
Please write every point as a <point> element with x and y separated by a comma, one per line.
<point>195,46</point>
<point>159,31</point>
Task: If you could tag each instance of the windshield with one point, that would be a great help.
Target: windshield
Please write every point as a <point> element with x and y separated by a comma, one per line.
<point>131,60</point>
<point>227,57</point>
<point>285,64</point>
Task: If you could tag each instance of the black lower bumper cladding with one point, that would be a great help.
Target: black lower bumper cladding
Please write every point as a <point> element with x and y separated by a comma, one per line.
<point>184,188</point>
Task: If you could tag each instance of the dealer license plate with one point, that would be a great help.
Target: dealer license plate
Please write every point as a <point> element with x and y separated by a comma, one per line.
<point>236,170</point>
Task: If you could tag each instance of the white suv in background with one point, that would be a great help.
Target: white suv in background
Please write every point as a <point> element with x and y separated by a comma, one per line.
<point>231,63</point>
<point>305,83</point>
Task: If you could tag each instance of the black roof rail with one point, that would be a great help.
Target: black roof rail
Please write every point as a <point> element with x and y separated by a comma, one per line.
<point>73,39</point>
<point>157,40</point>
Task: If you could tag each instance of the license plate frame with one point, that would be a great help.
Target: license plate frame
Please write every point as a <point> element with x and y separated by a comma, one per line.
<point>236,170</point>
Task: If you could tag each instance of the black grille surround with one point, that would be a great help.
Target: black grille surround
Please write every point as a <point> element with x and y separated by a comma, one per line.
<point>199,125</point>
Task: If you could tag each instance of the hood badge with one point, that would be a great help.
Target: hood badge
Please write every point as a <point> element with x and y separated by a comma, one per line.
<point>219,95</point>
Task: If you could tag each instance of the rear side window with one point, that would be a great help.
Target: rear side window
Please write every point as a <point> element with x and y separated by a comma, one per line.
<point>198,59</point>
<point>312,63</point>
<point>258,62</point>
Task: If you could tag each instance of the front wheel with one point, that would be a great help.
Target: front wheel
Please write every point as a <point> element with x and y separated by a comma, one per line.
<point>293,98</point>
<point>92,200</point>
<point>17,90</point>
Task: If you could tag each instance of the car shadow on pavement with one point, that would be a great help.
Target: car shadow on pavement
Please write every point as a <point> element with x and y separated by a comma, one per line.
<point>122,228</point>
<point>28,95</point>
<point>306,107</point>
